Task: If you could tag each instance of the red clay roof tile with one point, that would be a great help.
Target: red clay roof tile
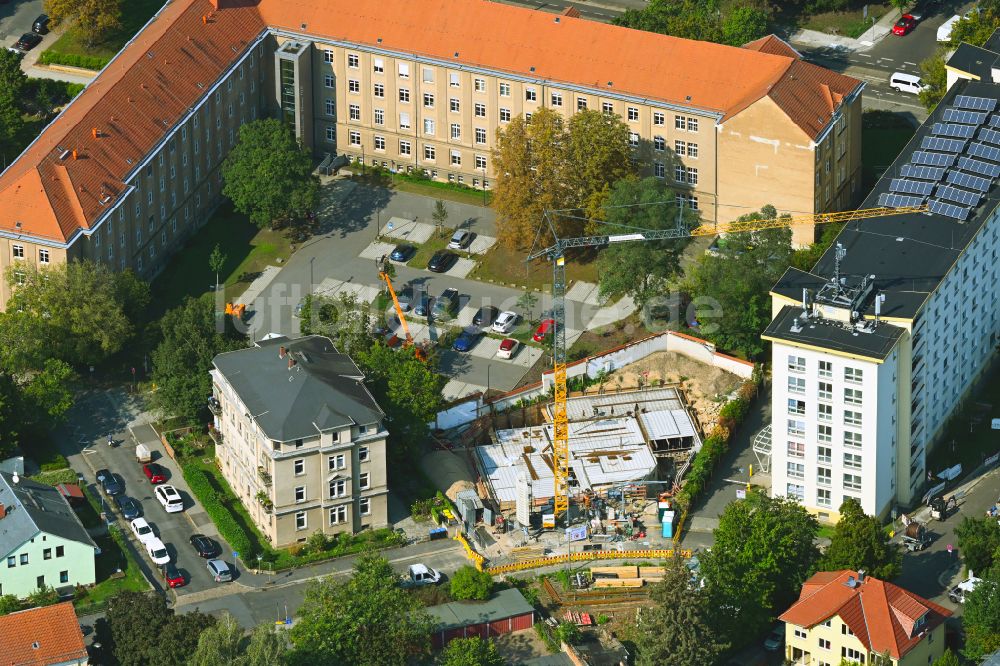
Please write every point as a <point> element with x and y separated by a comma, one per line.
<point>41,636</point>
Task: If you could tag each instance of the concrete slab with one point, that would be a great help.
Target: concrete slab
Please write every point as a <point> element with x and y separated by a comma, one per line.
<point>584,292</point>
<point>259,285</point>
<point>481,244</point>
<point>456,389</point>
<point>408,230</point>
<point>486,348</point>
<point>333,288</point>
<point>612,313</point>
<point>462,268</point>
<point>465,315</point>
<point>376,250</point>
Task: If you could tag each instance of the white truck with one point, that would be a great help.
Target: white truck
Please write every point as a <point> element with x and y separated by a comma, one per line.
<point>944,30</point>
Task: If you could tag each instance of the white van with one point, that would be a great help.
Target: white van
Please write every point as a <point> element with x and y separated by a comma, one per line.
<point>908,83</point>
<point>944,30</point>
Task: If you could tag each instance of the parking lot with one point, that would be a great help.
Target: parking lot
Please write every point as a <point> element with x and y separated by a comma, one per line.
<point>174,529</point>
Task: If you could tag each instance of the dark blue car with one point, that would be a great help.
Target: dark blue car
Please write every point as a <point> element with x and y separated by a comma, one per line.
<point>402,252</point>
<point>129,507</point>
<point>467,340</point>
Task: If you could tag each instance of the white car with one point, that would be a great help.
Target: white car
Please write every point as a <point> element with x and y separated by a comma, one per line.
<point>157,551</point>
<point>958,593</point>
<point>421,574</point>
<point>169,498</point>
<point>141,529</point>
<point>507,348</point>
<point>505,322</point>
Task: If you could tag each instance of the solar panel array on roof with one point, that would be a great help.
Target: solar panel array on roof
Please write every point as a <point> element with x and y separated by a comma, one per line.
<point>991,153</point>
<point>961,116</point>
<point>995,120</point>
<point>898,200</point>
<point>924,172</point>
<point>933,159</point>
<point>951,129</point>
<point>944,145</point>
<point>991,135</point>
<point>975,103</point>
<point>905,186</point>
<point>978,166</point>
<point>961,196</point>
<point>947,209</point>
<point>967,180</point>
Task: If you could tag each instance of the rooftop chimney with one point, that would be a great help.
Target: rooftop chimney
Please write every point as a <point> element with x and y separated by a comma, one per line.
<point>281,351</point>
<point>291,362</point>
<point>861,575</point>
<point>95,132</point>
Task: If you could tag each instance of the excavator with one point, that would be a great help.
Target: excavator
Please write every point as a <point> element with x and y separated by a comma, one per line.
<point>408,339</point>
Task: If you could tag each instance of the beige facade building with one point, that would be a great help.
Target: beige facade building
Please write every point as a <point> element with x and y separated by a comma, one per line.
<point>303,441</point>
<point>848,615</point>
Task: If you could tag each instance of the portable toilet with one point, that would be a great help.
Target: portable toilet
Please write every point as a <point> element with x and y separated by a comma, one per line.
<point>668,523</point>
<point>662,506</point>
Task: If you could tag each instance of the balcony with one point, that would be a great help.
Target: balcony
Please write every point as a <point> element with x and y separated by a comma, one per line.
<point>265,477</point>
<point>214,406</point>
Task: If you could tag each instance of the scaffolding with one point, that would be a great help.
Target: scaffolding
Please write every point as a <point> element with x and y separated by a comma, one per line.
<point>762,449</point>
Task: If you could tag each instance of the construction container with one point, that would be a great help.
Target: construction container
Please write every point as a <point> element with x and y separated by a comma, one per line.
<point>667,521</point>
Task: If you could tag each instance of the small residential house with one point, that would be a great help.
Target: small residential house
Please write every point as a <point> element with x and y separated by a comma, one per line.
<point>46,636</point>
<point>849,615</point>
<point>42,541</point>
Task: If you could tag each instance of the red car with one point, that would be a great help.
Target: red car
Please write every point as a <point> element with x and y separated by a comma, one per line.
<point>154,473</point>
<point>544,330</point>
<point>172,575</point>
<point>904,25</point>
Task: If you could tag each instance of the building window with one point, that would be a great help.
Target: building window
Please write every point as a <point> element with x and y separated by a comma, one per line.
<point>796,449</point>
<point>354,138</point>
<point>63,576</point>
<point>658,118</point>
<point>338,488</point>
<point>429,153</point>
<point>504,115</point>
<point>692,124</point>
<point>352,60</point>
<point>633,114</point>
<point>300,494</point>
<point>454,105</point>
<point>680,175</point>
<point>379,116</point>
<point>354,86</point>
<point>404,147</point>
<point>556,99</point>
<point>581,103</point>
<point>852,482</point>
<point>852,396</point>
<point>338,514</point>
<point>428,75</point>
<point>852,418</point>
<point>300,520</point>
<point>331,133</point>
<point>852,654</point>
<point>299,466</point>
<point>380,143</point>
<point>633,139</point>
<point>825,369</point>
<point>608,108</point>
<point>428,100</point>
<point>796,428</point>
<point>844,629</point>
<point>336,462</point>
<point>47,554</point>
<point>480,110</point>
<point>404,121</point>
<point>680,122</point>
<point>530,95</point>
<point>363,454</point>
<point>659,170</point>
<point>453,79</point>
<point>327,55</point>
<point>795,491</point>
<point>800,633</point>
<point>24,558</point>
<point>480,135</point>
<point>17,251</point>
<point>11,562</point>
<point>404,70</point>
<point>796,470</point>
<point>824,433</point>
<point>825,391</point>
<point>479,85</point>
<point>824,454</point>
<point>43,256</point>
<point>365,480</point>
<point>796,385</point>
<point>796,406</point>
<point>692,175</point>
<point>505,90</point>
<point>379,90</point>
<point>456,131</point>
<point>853,375</point>
<point>404,95</point>
<point>481,162</point>
<point>365,506</point>
<point>796,364</point>
<point>428,126</point>
<point>825,412</point>
<point>824,497</point>
<point>456,158</point>
<point>355,111</point>
<point>852,438</point>
<point>852,460</point>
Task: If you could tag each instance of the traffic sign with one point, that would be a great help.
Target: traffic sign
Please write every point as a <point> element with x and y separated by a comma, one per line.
<point>236,554</point>
<point>576,533</point>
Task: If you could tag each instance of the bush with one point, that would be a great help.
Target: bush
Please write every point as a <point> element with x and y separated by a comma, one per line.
<point>546,636</point>
<point>201,485</point>
<point>50,57</point>
<point>568,633</point>
<point>470,583</point>
<point>9,603</point>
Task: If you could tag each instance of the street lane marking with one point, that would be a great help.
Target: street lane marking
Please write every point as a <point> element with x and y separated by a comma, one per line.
<point>907,62</point>
<point>865,55</point>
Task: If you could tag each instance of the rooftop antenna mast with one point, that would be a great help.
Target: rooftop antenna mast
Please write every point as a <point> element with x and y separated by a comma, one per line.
<point>838,255</point>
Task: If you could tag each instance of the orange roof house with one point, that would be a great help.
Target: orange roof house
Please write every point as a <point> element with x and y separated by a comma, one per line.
<point>42,636</point>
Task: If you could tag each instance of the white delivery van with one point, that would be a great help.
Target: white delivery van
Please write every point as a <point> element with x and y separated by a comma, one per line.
<point>944,30</point>
<point>908,83</point>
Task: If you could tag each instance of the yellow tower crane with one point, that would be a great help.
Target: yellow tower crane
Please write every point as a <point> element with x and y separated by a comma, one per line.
<point>555,253</point>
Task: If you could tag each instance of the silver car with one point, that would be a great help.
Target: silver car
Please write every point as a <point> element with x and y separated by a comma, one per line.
<point>220,571</point>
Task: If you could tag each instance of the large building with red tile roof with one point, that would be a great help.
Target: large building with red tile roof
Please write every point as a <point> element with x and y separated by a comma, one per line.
<point>849,615</point>
<point>44,636</point>
<point>131,167</point>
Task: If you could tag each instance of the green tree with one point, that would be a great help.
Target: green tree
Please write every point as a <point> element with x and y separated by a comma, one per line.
<point>934,76</point>
<point>764,550</point>
<point>470,583</point>
<point>268,647</point>
<point>731,286</point>
<point>641,269</point>
<point>744,24</point>
<point>978,541</point>
<point>268,175</point>
<point>79,312</point>
<point>342,319</point>
<point>567,632</point>
<point>136,620</point>
<point>178,639</point>
<point>981,618</point>
<point>471,652</point>
<point>94,19</point>
<point>181,362</point>
<point>12,77</point>
<point>9,603</point>
<point>597,154</point>
<point>677,630</point>
<point>49,394</point>
<point>216,261</point>
<point>367,621</point>
<point>220,645</point>
<point>11,125</point>
<point>440,216</point>
<point>690,19</point>
<point>947,659</point>
<point>859,542</point>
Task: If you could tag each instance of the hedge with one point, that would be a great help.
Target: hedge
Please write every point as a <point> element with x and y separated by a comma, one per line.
<point>50,57</point>
<point>201,485</point>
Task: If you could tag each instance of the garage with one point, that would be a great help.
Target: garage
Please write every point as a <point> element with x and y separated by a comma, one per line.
<point>504,612</point>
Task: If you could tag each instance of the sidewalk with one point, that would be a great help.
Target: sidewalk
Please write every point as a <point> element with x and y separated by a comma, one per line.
<point>866,40</point>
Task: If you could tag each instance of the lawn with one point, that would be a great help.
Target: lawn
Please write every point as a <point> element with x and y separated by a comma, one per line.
<point>117,571</point>
<point>427,250</point>
<point>968,438</point>
<point>248,250</point>
<point>71,46</point>
<point>847,24</point>
<point>884,134</point>
<point>502,265</point>
<point>423,187</point>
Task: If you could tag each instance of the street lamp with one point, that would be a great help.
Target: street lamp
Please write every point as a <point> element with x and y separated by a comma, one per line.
<point>311,281</point>
<point>483,169</point>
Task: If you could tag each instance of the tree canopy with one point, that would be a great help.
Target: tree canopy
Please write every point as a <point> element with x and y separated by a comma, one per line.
<point>470,583</point>
<point>141,631</point>
<point>981,617</point>
<point>367,621</point>
<point>677,630</point>
<point>225,644</point>
<point>734,23</point>
<point>471,652</point>
<point>978,542</point>
<point>859,542</point>
<point>94,19</point>
<point>764,550</point>
<point>268,175</point>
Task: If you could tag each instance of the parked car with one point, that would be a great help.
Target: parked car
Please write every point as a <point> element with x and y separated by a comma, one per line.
<point>129,507</point>
<point>446,304</point>
<point>421,574</point>
<point>485,316</point>
<point>958,593</point>
<point>507,348</point>
<point>904,25</point>
<point>112,484</point>
<point>172,575</point>
<point>204,546</point>
<point>220,571</point>
<point>402,252</point>
<point>41,25</point>
<point>460,240</point>
<point>505,322</point>
<point>776,638</point>
<point>441,261</point>
<point>908,83</point>
<point>423,303</point>
<point>169,498</point>
<point>28,41</point>
<point>544,330</point>
<point>467,339</point>
<point>141,529</point>
<point>157,551</point>
<point>154,473</point>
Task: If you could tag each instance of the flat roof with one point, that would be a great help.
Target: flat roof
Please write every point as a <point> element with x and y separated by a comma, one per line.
<point>972,60</point>
<point>833,335</point>
<point>457,614</point>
